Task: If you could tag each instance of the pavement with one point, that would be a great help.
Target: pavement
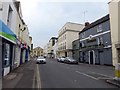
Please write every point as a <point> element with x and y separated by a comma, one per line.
<point>0,84</point>
<point>21,77</point>
<point>114,82</point>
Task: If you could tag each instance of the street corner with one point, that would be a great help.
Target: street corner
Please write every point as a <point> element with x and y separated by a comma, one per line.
<point>10,76</point>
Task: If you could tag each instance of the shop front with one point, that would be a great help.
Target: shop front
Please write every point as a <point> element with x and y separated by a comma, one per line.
<point>8,43</point>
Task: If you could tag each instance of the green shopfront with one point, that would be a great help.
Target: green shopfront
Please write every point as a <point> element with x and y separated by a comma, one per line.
<point>8,43</point>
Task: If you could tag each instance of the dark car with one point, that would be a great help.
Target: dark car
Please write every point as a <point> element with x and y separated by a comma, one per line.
<point>70,60</point>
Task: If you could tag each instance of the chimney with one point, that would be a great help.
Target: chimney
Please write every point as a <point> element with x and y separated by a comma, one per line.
<point>87,23</point>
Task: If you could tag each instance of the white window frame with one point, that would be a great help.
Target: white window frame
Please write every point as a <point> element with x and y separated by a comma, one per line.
<point>93,56</point>
<point>99,28</point>
<point>100,39</point>
<point>83,35</point>
<point>83,44</point>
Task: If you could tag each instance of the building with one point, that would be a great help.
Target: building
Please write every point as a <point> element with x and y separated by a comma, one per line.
<point>95,42</point>
<point>76,49</point>
<point>66,35</point>
<point>8,34</point>
<point>15,36</point>
<point>114,10</point>
<point>37,52</point>
<point>55,49</point>
<point>45,50</point>
<point>50,45</point>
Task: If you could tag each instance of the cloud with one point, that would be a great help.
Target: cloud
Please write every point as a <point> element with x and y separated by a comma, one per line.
<point>45,19</point>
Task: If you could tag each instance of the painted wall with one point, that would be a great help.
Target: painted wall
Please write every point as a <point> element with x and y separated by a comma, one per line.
<point>114,10</point>
<point>100,52</point>
<point>5,5</point>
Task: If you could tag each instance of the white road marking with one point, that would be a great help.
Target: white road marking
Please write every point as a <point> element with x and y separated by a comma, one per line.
<point>101,74</point>
<point>38,78</point>
<point>86,75</point>
<point>103,78</point>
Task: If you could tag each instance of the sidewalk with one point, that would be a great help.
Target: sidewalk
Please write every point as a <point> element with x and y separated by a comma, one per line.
<point>114,82</point>
<point>21,77</point>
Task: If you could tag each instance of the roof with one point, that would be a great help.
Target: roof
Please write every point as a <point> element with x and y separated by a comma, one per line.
<point>99,21</point>
<point>38,48</point>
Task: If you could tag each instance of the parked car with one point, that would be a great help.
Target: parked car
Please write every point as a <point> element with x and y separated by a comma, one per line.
<point>70,60</point>
<point>41,60</point>
<point>58,59</point>
<point>61,59</point>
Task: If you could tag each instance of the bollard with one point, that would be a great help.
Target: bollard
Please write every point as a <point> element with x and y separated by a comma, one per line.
<point>117,71</point>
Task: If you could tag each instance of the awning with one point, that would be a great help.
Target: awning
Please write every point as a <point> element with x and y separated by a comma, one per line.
<point>6,33</point>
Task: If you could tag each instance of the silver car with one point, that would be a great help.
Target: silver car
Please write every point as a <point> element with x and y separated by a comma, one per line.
<point>41,60</point>
<point>70,60</point>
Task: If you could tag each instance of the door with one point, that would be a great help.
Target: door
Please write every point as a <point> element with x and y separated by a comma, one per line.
<point>65,54</point>
<point>91,57</point>
<point>118,50</point>
<point>83,57</point>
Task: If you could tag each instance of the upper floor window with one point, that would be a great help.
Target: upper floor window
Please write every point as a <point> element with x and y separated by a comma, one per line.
<point>100,40</point>
<point>9,18</point>
<point>83,35</point>
<point>82,44</point>
<point>99,28</point>
<point>65,36</point>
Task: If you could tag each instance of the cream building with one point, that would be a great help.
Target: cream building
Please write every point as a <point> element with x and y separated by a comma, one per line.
<point>45,50</point>
<point>66,35</point>
<point>37,52</point>
<point>114,10</point>
<point>55,49</point>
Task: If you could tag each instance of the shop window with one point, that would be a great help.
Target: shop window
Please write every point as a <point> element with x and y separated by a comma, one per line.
<point>7,55</point>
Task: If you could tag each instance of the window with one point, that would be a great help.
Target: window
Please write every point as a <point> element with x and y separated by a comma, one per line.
<point>7,55</point>
<point>99,28</point>
<point>100,40</point>
<point>9,18</point>
<point>83,35</point>
<point>83,44</point>
<point>65,45</point>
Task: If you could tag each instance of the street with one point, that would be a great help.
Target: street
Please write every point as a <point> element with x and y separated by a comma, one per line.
<point>60,75</point>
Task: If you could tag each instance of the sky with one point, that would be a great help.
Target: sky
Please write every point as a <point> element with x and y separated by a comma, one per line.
<point>46,17</point>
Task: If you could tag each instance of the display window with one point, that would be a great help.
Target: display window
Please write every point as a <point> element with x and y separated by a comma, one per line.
<point>6,54</point>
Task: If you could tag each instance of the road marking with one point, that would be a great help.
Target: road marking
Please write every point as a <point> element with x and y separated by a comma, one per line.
<point>38,78</point>
<point>104,78</point>
<point>86,75</point>
<point>34,79</point>
<point>101,74</point>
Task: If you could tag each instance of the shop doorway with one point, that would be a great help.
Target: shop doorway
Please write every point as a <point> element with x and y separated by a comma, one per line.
<point>91,57</point>
<point>65,54</point>
<point>118,51</point>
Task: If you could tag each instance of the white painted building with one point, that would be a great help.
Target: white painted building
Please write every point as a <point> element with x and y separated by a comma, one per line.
<point>55,49</point>
<point>14,35</point>
<point>66,35</point>
<point>45,50</point>
<point>9,17</point>
<point>114,10</point>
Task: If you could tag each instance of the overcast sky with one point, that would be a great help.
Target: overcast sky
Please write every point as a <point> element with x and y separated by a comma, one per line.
<point>46,17</point>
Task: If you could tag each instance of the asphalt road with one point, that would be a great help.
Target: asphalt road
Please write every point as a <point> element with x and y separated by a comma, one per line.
<point>59,75</point>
